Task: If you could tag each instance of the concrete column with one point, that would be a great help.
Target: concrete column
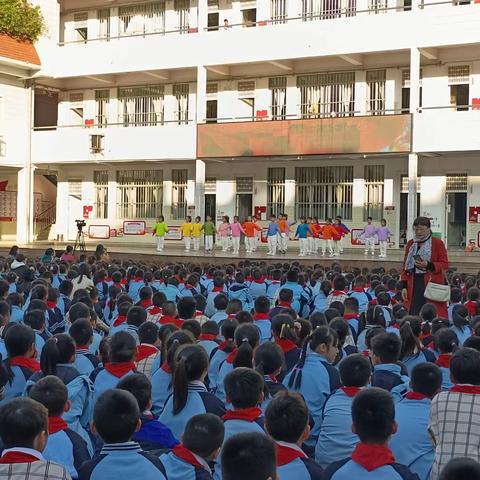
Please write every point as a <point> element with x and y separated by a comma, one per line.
<point>25,205</point>
<point>202,15</point>
<point>361,92</point>
<point>412,192</point>
<point>199,187</point>
<point>290,192</point>
<point>201,96</point>
<point>414,80</point>
<point>112,195</point>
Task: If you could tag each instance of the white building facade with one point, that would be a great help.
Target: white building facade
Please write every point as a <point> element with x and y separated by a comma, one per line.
<point>310,107</point>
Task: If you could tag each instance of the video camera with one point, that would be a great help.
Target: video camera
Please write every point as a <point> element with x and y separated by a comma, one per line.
<point>80,224</point>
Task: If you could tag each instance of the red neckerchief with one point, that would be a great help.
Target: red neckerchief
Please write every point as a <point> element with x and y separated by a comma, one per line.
<point>146,303</point>
<point>199,313</point>
<point>249,279</point>
<point>169,319</point>
<point>443,360</point>
<point>282,303</point>
<point>120,369</point>
<point>275,282</point>
<point>231,356</point>
<point>372,457</point>
<point>350,391</point>
<point>366,353</point>
<point>165,367</point>
<point>30,363</point>
<point>207,336</point>
<point>286,455</point>
<point>119,285</point>
<point>217,289</point>
<point>56,424</point>
<point>261,316</point>
<point>108,279</point>
<point>338,293</point>
<point>181,452</point>
<point>51,305</point>
<point>396,325</point>
<point>144,351</point>
<point>189,287</point>
<point>232,316</point>
<point>285,344</point>
<point>260,280</point>
<point>472,389</point>
<point>431,345</point>
<point>246,414</point>
<point>17,457</point>
<point>155,310</point>
<point>373,301</point>
<point>416,396</point>
<point>471,307</point>
<point>78,348</point>
<point>358,289</point>
<point>350,316</point>
<point>123,281</point>
<point>120,320</point>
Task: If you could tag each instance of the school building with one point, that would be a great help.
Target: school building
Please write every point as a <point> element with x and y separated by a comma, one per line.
<point>231,107</point>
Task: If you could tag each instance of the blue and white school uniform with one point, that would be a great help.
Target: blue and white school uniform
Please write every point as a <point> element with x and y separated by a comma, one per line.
<point>318,380</point>
<point>134,289</point>
<point>199,401</point>
<point>85,362</point>
<point>21,374</point>
<point>123,460</point>
<point>106,380</point>
<point>209,343</point>
<point>264,325</point>
<point>219,316</point>
<point>258,289</point>
<point>389,377</point>
<point>294,464</point>
<point>273,386</point>
<point>362,297</point>
<point>443,363</point>
<point>161,388</point>
<point>412,361</point>
<point>225,368</point>
<point>183,464</point>
<point>240,291</point>
<point>412,444</point>
<point>217,358</point>
<point>272,289</point>
<point>16,314</point>
<point>462,333</point>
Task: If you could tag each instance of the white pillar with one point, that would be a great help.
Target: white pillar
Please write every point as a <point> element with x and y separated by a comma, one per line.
<point>412,192</point>
<point>25,205</point>
<point>199,187</point>
<point>361,92</point>
<point>201,97</point>
<point>414,80</point>
<point>202,15</point>
<point>112,195</point>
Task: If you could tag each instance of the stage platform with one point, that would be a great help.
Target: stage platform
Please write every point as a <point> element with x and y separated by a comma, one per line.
<point>459,260</point>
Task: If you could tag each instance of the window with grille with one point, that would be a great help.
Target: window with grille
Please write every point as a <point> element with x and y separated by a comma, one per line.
<point>278,11</point>
<point>406,90</point>
<point>141,106</point>
<point>457,182</point>
<point>376,80</point>
<point>246,88</point>
<point>458,74</point>
<point>100,185</point>
<point>103,17</point>
<point>377,6</point>
<point>75,188</point>
<point>327,94</point>
<point>179,193</point>
<point>404,184</point>
<point>212,89</point>
<point>374,176</point>
<point>182,9</point>
<point>210,185</point>
<point>278,89</point>
<point>102,100</point>
<point>459,82</point>
<point>141,19</point>
<point>139,193</point>
<point>275,191</point>
<point>319,9</point>
<point>181,91</point>
<point>324,192</point>
<point>244,184</point>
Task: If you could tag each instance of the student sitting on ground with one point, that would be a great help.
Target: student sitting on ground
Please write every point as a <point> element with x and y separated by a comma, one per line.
<point>446,342</point>
<point>82,332</point>
<point>462,467</point>
<point>148,355</point>
<point>286,421</point>
<point>261,318</point>
<point>24,434</point>
<point>373,415</point>
<point>64,446</point>
<point>201,443</point>
<point>116,418</point>
<point>209,337</point>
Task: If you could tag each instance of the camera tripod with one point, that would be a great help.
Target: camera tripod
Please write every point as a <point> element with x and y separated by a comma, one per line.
<point>79,242</point>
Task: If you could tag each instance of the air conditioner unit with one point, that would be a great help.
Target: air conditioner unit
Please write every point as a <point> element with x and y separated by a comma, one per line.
<point>96,143</point>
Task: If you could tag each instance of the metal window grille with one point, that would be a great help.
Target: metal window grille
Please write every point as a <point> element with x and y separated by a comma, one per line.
<point>76,99</point>
<point>246,88</point>
<point>212,89</point>
<point>278,88</point>
<point>324,192</point>
<point>141,106</point>
<point>182,8</point>
<point>210,185</point>
<point>404,184</point>
<point>244,184</point>
<point>376,81</point>
<point>276,191</point>
<point>102,100</point>
<point>181,92</point>
<point>374,187</point>
<point>278,11</point>
<point>75,188</point>
<point>377,6</point>
<point>179,193</point>
<point>100,184</point>
<point>406,78</point>
<point>327,94</point>
<point>458,74</point>
<point>316,9</point>
<point>139,193</point>
<point>457,182</point>
<point>142,18</point>
<point>103,17</point>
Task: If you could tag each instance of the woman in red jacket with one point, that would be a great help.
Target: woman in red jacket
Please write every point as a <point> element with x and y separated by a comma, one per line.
<point>426,260</point>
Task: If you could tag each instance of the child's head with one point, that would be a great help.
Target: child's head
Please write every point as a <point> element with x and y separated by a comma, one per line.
<point>244,388</point>
<point>210,327</point>
<point>122,348</point>
<point>247,338</point>
<point>116,416</point>
<point>472,342</point>
<point>461,468</point>
<point>339,283</point>
<point>386,348</point>
<point>249,456</point>
<point>285,295</point>
<point>58,349</point>
<point>158,299</point>
<point>384,299</point>
<point>383,222</point>
<point>373,416</point>
<point>24,424</point>
<point>341,328</point>
<point>460,316</point>
<point>324,341</point>
<point>283,327</point>
<point>204,435</point>
<point>286,418</point>
<point>148,333</point>
<point>169,309</point>
<point>355,370</point>
<point>52,393</point>
<point>220,302</point>
<point>369,220</point>
<point>351,305</point>
<point>465,366</point>
<point>78,310</point>
<point>428,312</point>
<point>268,359</point>
<point>262,304</point>
<point>455,295</point>
<point>140,387</point>
<point>20,341</point>
<point>426,378</point>
<point>82,332</point>
<point>446,340</point>
<point>473,294</point>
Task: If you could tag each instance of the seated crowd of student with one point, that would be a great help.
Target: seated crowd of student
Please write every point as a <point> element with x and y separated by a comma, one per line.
<point>188,372</point>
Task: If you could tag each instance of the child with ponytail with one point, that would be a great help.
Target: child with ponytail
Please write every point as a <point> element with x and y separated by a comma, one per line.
<point>446,342</point>
<point>314,376</point>
<point>461,323</point>
<point>285,336</point>
<point>21,363</point>
<point>58,358</point>
<point>190,396</point>
<point>247,338</point>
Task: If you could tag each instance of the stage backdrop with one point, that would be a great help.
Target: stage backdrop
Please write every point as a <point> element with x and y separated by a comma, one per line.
<point>372,134</point>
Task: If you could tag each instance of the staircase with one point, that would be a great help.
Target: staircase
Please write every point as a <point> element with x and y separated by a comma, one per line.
<point>44,221</point>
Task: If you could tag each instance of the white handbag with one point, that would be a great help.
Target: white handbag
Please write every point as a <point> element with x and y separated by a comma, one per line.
<point>437,292</point>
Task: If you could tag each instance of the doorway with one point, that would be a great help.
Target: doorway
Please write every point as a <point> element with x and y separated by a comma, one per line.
<point>244,205</point>
<point>456,215</point>
<point>212,111</point>
<point>212,21</point>
<point>211,206</point>
<point>404,216</point>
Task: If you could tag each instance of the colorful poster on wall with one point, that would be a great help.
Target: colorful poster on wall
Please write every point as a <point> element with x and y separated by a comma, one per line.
<point>134,227</point>
<point>99,232</point>
<point>474,214</point>
<point>174,233</point>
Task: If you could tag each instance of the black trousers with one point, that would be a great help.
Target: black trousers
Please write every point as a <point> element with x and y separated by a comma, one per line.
<point>418,297</point>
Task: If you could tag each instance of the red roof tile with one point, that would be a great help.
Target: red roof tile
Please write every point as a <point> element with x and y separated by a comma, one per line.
<point>18,50</point>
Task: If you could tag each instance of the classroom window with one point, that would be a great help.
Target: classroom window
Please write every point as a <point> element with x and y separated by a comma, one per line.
<point>376,81</point>
<point>374,189</point>
<point>100,185</point>
<point>275,191</point>
<point>179,193</point>
<point>278,89</point>
<point>181,92</point>
<point>141,106</point>
<point>141,19</point>
<point>102,101</point>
